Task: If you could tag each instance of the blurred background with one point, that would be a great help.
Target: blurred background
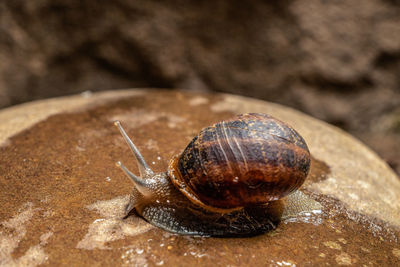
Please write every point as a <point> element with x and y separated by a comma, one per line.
<point>336,60</point>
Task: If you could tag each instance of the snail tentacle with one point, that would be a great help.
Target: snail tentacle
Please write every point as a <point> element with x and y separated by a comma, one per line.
<point>144,169</point>
<point>142,185</point>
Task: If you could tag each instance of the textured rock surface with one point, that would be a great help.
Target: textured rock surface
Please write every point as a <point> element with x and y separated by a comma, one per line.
<point>62,198</point>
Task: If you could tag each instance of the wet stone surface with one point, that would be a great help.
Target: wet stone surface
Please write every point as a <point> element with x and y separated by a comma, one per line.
<point>62,197</point>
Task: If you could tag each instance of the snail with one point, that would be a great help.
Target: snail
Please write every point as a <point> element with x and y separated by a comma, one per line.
<point>226,182</point>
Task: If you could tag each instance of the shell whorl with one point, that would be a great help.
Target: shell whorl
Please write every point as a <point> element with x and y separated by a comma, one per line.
<point>249,159</point>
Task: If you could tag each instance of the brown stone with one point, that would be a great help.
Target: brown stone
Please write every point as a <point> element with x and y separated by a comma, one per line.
<point>62,198</point>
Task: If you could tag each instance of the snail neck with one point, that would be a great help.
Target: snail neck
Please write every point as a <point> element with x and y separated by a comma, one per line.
<point>147,190</point>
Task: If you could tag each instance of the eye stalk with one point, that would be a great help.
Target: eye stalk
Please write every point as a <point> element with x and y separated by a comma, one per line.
<point>142,183</point>
<point>144,169</point>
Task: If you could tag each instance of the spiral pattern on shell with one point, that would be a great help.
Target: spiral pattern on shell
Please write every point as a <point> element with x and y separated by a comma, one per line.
<point>249,159</point>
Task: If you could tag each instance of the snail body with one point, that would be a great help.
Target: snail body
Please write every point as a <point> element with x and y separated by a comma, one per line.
<point>226,181</point>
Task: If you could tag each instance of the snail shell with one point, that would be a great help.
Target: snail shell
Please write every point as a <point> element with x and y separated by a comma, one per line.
<point>226,181</point>
<point>249,159</point>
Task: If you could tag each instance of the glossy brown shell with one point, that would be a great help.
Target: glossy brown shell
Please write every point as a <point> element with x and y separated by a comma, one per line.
<point>249,159</point>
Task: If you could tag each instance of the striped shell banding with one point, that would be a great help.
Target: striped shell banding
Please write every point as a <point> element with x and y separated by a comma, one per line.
<point>250,159</point>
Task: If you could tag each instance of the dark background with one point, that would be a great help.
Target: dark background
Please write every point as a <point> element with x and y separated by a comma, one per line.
<point>336,60</point>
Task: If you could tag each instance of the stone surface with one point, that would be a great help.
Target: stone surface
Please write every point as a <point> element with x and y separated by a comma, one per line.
<point>62,198</point>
